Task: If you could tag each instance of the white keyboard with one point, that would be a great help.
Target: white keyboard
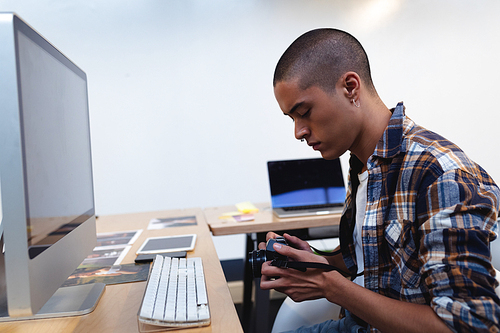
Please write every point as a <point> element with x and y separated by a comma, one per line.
<point>175,295</point>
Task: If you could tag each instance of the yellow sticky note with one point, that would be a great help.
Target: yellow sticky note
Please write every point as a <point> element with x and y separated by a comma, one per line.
<point>229,215</point>
<point>246,207</point>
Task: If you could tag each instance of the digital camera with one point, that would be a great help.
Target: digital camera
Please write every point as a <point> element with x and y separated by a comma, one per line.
<point>258,257</point>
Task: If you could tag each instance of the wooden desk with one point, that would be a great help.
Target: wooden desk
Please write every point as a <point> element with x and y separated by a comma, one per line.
<point>264,221</point>
<point>118,307</point>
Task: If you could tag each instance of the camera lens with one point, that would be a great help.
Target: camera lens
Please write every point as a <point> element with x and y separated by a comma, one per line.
<point>257,258</point>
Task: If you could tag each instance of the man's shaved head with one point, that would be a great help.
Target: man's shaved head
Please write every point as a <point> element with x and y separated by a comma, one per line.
<point>320,57</point>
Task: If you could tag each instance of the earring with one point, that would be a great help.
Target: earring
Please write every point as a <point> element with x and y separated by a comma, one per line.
<point>355,104</point>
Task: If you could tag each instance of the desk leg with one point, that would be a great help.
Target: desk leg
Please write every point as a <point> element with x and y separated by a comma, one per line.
<point>259,322</point>
<point>261,319</point>
<point>247,286</point>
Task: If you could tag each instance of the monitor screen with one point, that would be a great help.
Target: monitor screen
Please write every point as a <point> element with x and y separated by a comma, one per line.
<point>47,198</point>
<point>56,145</point>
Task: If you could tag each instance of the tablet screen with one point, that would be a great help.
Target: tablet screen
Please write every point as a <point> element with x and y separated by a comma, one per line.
<point>168,244</point>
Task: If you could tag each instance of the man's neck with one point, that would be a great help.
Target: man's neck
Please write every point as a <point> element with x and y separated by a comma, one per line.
<point>376,119</point>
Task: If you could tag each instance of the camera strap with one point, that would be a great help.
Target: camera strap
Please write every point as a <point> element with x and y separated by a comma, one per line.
<point>323,253</point>
<point>348,220</point>
<point>303,266</point>
<point>347,225</point>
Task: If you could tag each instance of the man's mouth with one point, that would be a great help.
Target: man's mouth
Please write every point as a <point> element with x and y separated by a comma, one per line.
<point>314,145</point>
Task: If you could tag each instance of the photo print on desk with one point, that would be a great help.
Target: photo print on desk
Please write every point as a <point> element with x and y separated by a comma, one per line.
<point>161,223</point>
<point>111,239</point>
<point>106,256</point>
<point>108,274</point>
<point>103,264</point>
<point>111,248</point>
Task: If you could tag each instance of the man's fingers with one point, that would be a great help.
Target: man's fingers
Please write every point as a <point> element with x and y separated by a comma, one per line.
<point>286,250</point>
<point>271,235</point>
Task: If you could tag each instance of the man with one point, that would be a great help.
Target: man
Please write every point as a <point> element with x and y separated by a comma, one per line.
<point>419,213</point>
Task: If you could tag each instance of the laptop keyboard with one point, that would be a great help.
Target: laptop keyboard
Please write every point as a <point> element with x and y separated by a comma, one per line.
<point>288,209</point>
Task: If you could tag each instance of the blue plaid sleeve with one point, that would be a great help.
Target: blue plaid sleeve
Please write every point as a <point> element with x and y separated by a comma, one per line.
<point>461,211</point>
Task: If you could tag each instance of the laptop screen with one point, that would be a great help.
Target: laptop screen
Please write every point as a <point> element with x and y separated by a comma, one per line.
<point>306,182</point>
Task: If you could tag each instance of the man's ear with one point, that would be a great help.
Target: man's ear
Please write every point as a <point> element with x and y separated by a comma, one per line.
<point>351,84</point>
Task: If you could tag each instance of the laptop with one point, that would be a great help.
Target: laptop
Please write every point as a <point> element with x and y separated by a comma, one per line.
<point>306,187</point>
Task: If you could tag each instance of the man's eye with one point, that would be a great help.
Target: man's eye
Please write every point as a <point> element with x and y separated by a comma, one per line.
<point>305,114</point>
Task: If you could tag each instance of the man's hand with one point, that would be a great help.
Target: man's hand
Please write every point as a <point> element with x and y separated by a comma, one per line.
<point>292,241</point>
<point>388,315</point>
<point>298,285</point>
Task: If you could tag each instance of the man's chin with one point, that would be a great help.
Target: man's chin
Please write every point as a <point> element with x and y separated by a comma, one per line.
<point>329,156</point>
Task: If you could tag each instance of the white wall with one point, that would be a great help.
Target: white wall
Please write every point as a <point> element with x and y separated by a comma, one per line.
<point>182,107</point>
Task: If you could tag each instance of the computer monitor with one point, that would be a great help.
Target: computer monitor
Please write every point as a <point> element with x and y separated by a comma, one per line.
<point>46,185</point>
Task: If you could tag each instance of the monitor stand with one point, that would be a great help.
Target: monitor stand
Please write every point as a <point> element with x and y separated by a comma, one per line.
<point>66,302</point>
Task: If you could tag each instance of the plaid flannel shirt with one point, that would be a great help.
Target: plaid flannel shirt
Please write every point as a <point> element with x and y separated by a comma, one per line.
<point>430,215</point>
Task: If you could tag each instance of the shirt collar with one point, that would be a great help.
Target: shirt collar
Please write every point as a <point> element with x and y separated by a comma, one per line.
<point>389,144</point>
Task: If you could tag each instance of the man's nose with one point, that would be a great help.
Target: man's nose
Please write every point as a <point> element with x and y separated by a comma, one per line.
<point>301,131</point>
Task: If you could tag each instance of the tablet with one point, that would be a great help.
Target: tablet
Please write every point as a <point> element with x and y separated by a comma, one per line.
<point>168,244</point>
